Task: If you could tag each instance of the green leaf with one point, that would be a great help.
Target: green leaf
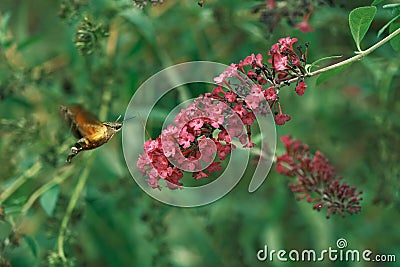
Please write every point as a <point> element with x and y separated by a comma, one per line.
<point>9,210</point>
<point>319,60</point>
<point>376,2</point>
<point>49,199</point>
<point>391,5</point>
<point>5,228</point>
<point>24,44</point>
<point>142,24</point>
<point>359,20</point>
<point>31,244</point>
<point>331,73</point>
<point>387,25</point>
<point>3,28</point>
<point>395,41</point>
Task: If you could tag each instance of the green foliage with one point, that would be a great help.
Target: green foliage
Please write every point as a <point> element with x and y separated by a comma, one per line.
<point>4,42</point>
<point>32,245</point>
<point>395,42</point>
<point>48,199</point>
<point>359,20</point>
<point>315,63</point>
<point>387,25</point>
<point>87,36</point>
<point>331,73</point>
<point>376,2</point>
<point>395,11</point>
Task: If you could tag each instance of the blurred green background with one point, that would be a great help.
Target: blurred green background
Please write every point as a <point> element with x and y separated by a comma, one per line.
<point>50,55</point>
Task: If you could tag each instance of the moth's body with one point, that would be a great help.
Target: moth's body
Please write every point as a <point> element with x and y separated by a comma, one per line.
<point>91,132</point>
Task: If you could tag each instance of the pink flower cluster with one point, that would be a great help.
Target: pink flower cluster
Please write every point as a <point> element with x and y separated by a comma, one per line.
<point>284,65</point>
<point>208,125</point>
<point>316,180</point>
<point>190,143</point>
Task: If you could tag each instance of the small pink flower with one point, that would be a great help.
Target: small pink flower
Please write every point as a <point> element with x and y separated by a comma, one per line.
<point>185,138</point>
<point>281,119</point>
<point>252,101</point>
<point>214,167</point>
<point>217,121</point>
<point>150,145</point>
<point>280,63</point>
<point>239,109</point>
<point>196,124</point>
<point>220,78</point>
<point>252,60</point>
<point>249,60</point>
<point>163,173</point>
<point>258,60</point>
<point>200,175</point>
<point>270,94</point>
<point>224,136</point>
<point>256,89</point>
<point>223,151</point>
<point>251,74</point>
<point>169,148</point>
<point>287,43</point>
<point>234,128</point>
<point>153,182</point>
<point>271,4</point>
<point>230,96</point>
<point>217,90</point>
<point>170,130</point>
<point>250,144</point>
<point>173,179</point>
<point>187,165</point>
<point>274,49</point>
<point>249,118</point>
<point>301,88</point>
<point>159,161</point>
<point>231,70</point>
<point>304,26</point>
<point>286,140</point>
<point>143,163</point>
<point>243,138</point>
<point>207,150</point>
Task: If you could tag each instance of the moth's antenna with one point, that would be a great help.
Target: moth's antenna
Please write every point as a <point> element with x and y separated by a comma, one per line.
<point>129,118</point>
<point>144,126</point>
<point>119,117</point>
<point>141,121</point>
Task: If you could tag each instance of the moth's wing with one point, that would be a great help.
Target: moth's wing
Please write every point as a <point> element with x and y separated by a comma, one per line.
<point>70,119</point>
<point>81,121</point>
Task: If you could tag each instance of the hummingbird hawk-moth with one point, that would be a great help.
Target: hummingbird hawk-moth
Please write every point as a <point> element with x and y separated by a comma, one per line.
<point>91,132</point>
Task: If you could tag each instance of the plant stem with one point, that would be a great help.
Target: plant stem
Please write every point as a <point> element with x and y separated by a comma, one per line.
<point>32,171</point>
<point>57,180</point>
<point>357,57</point>
<point>71,205</point>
